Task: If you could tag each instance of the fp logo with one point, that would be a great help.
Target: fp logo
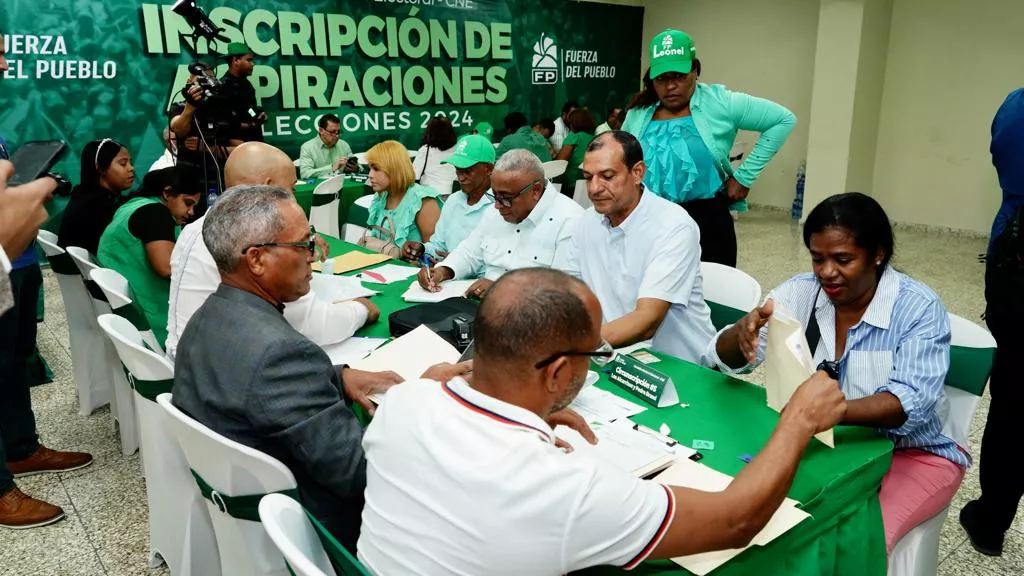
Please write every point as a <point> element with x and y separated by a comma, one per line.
<point>545,61</point>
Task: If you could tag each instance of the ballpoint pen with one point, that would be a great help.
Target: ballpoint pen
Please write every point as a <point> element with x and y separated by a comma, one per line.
<point>426,264</point>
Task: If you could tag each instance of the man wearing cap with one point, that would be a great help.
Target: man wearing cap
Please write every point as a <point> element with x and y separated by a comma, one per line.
<point>687,130</point>
<point>473,160</point>
<point>242,94</point>
<point>520,135</point>
<point>484,129</point>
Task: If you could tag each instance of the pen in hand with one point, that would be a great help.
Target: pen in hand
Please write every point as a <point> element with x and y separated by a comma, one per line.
<point>430,278</point>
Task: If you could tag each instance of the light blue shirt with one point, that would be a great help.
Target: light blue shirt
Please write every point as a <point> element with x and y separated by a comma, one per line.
<point>458,220</point>
<point>900,346</point>
<point>653,253</point>
<point>679,166</point>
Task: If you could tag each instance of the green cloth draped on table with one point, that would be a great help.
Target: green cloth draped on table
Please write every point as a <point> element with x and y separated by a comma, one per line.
<point>838,487</point>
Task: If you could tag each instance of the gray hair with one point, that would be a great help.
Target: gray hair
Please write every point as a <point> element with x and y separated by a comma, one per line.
<point>245,215</point>
<point>520,160</point>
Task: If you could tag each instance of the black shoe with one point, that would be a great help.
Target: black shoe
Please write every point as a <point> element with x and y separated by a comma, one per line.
<point>989,544</point>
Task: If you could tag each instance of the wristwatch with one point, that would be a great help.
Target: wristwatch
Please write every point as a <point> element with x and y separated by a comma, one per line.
<point>63,185</point>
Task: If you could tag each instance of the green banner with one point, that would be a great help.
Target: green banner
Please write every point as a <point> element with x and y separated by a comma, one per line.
<point>86,70</point>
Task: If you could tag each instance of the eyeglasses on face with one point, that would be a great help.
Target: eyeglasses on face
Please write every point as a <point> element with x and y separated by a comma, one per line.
<point>507,201</point>
<point>331,132</point>
<point>311,245</point>
<point>601,356</point>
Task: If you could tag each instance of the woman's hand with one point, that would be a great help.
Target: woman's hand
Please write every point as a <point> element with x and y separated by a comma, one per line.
<point>735,190</point>
<point>748,330</point>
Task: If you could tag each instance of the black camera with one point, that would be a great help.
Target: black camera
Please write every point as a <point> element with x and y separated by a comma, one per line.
<point>198,20</point>
<point>205,80</point>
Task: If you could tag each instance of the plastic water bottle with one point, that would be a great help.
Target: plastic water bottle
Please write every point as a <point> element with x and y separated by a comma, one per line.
<point>211,197</point>
<point>798,200</point>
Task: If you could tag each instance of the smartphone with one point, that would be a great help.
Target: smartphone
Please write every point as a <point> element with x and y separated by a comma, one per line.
<point>33,159</point>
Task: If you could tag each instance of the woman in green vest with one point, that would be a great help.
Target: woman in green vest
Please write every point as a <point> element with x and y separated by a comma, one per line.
<point>687,129</point>
<point>581,126</point>
<point>139,240</point>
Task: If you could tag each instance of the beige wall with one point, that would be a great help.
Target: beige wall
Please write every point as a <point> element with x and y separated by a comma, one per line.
<point>867,108</point>
<point>951,64</point>
<point>765,48</point>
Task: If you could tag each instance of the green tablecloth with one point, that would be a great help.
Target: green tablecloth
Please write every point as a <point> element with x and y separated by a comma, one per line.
<point>838,487</point>
<point>347,210</point>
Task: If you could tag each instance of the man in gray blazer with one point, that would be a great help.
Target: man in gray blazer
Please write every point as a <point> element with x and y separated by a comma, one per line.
<point>244,372</point>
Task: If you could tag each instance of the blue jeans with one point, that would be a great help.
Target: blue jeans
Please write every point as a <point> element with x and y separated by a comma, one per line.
<point>18,439</point>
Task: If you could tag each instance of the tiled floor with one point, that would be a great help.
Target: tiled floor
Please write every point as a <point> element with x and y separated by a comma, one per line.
<point>106,529</point>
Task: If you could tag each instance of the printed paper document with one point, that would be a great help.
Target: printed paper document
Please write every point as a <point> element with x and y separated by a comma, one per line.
<point>449,289</point>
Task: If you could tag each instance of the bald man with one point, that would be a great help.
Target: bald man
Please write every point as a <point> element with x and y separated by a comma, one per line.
<point>194,274</point>
<point>466,478</point>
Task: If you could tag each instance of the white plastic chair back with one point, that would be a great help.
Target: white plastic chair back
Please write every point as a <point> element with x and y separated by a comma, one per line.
<point>180,529</point>
<point>88,345</point>
<point>119,297</point>
<point>579,194</point>
<point>323,214</point>
<point>233,469</point>
<point>360,157</point>
<point>917,553</point>
<point>291,531</point>
<point>353,232</point>
<point>554,168</point>
<point>729,286</point>
<point>295,162</point>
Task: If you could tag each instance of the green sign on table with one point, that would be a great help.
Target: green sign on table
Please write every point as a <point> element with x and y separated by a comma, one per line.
<point>642,381</point>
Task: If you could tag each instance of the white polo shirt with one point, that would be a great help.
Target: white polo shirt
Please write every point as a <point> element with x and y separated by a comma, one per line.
<point>544,238</point>
<point>458,482</point>
<point>654,253</point>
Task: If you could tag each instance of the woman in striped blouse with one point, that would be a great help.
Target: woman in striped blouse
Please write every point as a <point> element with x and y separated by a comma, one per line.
<point>884,336</point>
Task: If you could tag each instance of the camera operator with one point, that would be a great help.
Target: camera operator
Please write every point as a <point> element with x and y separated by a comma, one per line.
<point>241,93</point>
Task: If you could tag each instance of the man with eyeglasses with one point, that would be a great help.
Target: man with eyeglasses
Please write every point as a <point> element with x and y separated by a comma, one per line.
<point>194,273</point>
<point>531,226</point>
<point>327,153</point>
<point>473,160</point>
<point>640,254</point>
<point>468,477</point>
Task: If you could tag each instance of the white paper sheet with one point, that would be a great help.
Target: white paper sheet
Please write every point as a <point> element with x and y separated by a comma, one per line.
<point>597,405</point>
<point>334,288</point>
<point>619,445</point>
<point>352,349</point>
<point>690,474</point>
<point>390,273</point>
<point>449,289</point>
<point>409,355</point>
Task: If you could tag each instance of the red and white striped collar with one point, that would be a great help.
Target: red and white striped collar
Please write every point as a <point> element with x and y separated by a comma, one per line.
<point>497,410</point>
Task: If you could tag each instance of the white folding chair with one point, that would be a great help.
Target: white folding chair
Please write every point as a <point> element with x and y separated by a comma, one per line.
<point>360,157</point>
<point>353,232</point>
<point>730,292</point>
<point>295,162</point>
<point>554,168</point>
<point>119,296</point>
<point>122,403</point>
<point>291,531</point>
<point>971,354</point>
<point>579,194</point>
<point>324,212</point>
<point>231,475</point>
<point>180,530</point>
<point>92,380</point>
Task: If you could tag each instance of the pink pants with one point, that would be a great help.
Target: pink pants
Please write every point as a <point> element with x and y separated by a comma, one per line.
<point>918,486</point>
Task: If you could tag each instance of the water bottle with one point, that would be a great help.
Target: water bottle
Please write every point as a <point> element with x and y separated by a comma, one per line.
<point>211,197</point>
<point>798,200</point>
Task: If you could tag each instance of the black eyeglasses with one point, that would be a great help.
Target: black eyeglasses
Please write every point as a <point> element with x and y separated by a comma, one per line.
<point>331,132</point>
<point>305,244</point>
<point>603,355</point>
<point>507,201</point>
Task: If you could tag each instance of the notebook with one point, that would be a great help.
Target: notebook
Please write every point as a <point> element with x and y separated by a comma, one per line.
<point>621,446</point>
<point>449,289</point>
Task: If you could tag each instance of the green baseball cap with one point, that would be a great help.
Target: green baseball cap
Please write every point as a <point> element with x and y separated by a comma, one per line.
<point>672,51</point>
<point>484,129</point>
<point>470,151</point>
<point>238,49</point>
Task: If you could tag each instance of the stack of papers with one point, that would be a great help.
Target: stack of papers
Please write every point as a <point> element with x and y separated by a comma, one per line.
<point>597,405</point>
<point>409,355</point>
<point>338,288</point>
<point>388,273</point>
<point>350,261</point>
<point>620,445</point>
<point>689,474</point>
<point>449,289</point>
<point>351,350</point>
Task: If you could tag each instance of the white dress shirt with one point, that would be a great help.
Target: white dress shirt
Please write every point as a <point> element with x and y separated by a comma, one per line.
<point>561,131</point>
<point>194,276</point>
<point>430,172</point>
<point>458,482</point>
<point>458,220</point>
<point>543,239</point>
<point>6,296</point>
<point>168,160</point>
<point>653,253</point>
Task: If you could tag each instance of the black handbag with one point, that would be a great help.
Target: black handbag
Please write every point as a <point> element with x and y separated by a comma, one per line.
<point>451,319</point>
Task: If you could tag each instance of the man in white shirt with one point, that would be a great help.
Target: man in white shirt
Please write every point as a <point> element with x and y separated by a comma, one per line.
<point>170,155</point>
<point>640,254</point>
<point>194,275</point>
<point>465,478</point>
<point>562,126</point>
<point>532,226</point>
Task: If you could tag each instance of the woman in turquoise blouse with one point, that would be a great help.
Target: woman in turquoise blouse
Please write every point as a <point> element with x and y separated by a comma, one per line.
<point>687,130</point>
<point>398,201</point>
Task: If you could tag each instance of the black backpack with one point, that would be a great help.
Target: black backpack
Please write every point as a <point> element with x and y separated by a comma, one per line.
<point>1004,272</point>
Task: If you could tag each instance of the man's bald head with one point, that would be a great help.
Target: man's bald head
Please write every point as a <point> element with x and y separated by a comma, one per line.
<point>259,164</point>
<point>532,313</point>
